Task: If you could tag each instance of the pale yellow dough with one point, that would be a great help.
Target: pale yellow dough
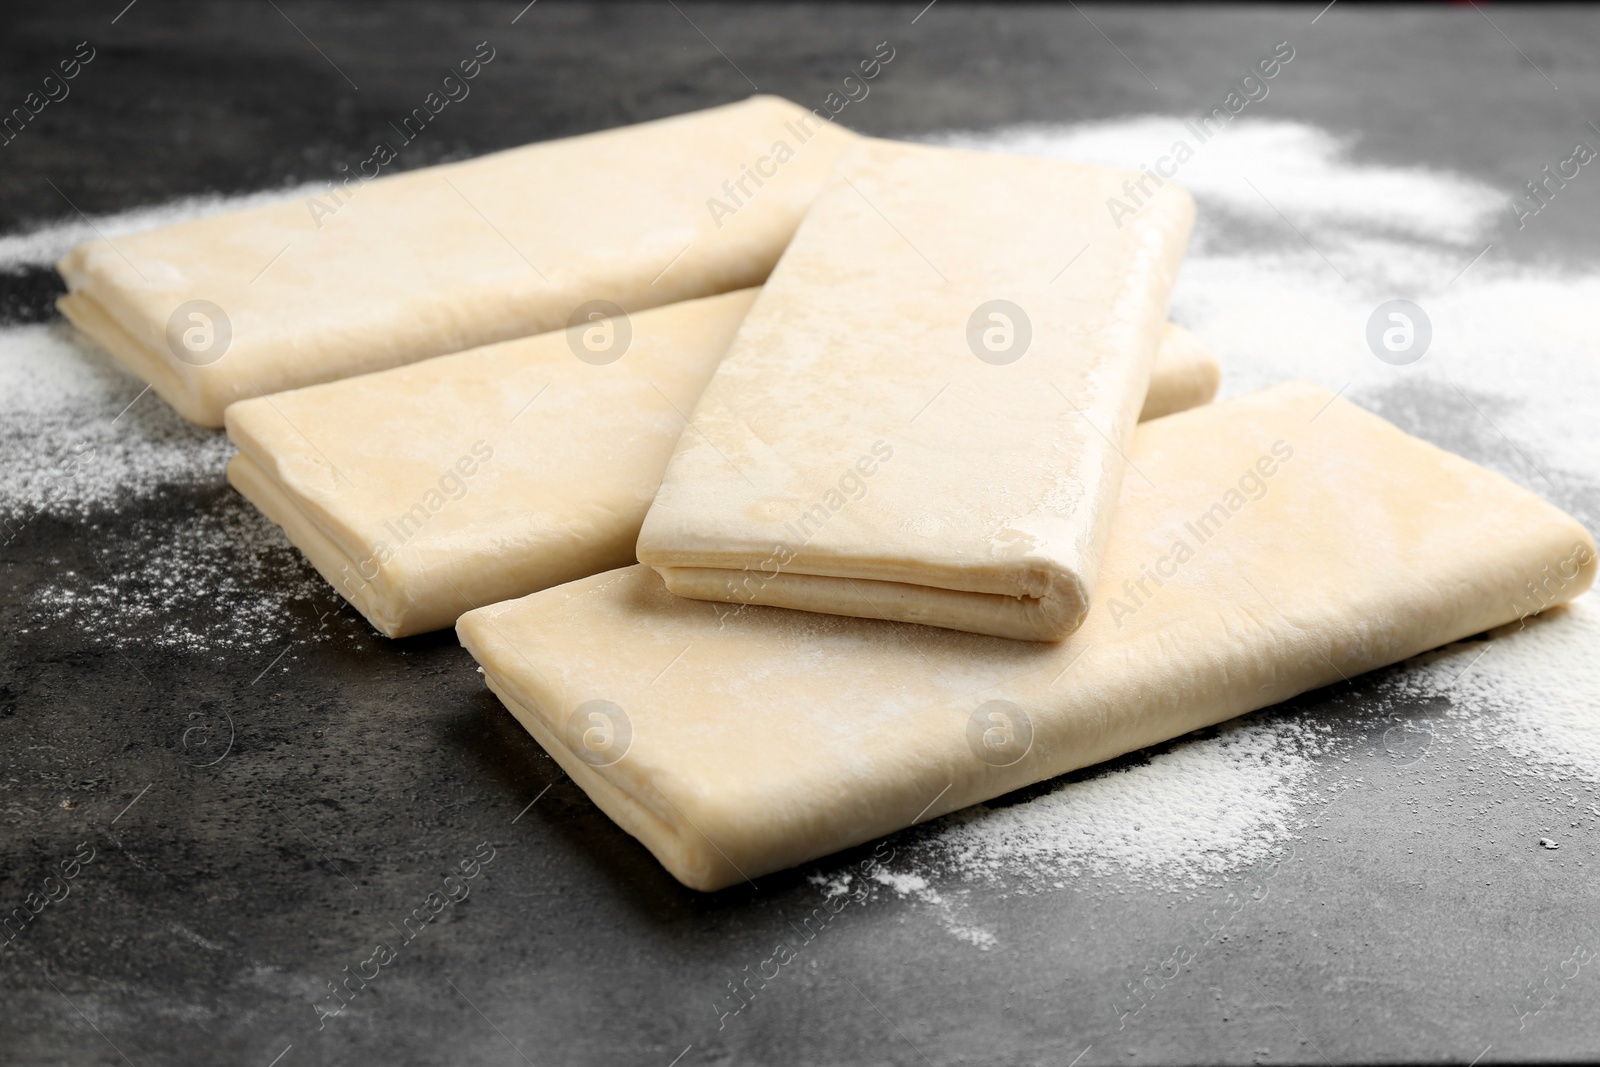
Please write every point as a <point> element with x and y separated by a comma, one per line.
<point>753,739</point>
<point>866,431</point>
<point>352,470</point>
<point>429,489</point>
<point>1186,374</point>
<point>451,257</point>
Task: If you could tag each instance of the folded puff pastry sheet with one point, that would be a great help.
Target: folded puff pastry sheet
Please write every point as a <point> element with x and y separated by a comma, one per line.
<point>429,489</point>
<point>425,490</point>
<point>446,258</point>
<point>1285,540</point>
<point>924,415</point>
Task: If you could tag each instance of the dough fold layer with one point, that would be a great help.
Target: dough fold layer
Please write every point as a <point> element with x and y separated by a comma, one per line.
<point>934,391</point>
<point>425,490</point>
<point>1285,540</point>
<point>441,259</point>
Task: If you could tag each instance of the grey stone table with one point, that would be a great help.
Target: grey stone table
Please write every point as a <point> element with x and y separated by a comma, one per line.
<point>245,827</point>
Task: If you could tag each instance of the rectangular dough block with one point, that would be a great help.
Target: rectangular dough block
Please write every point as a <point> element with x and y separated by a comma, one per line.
<point>447,258</point>
<point>1285,540</point>
<point>429,489</point>
<point>363,473</point>
<point>931,398</point>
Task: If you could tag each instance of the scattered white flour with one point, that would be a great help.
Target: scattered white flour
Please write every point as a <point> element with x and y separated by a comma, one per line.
<point>41,246</point>
<point>901,883</point>
<point>1533,691</point>
<point>905,884</point>
<point>1512,345</point>
<point>79,441</point>
<point>1196,810</point>
<point>155,590</point>
<point>70,442</point>
<point>1305,171</point>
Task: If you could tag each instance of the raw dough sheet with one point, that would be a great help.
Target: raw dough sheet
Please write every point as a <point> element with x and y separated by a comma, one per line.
<point>426,490</point>
<point>924,415</point>
<point>447,258</point>
<point>1284,540</point>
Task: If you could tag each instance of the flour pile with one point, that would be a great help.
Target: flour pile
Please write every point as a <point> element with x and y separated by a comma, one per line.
<point>1297,244</point>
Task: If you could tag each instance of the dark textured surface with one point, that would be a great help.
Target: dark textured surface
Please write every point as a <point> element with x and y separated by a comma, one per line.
<point>342,781</point>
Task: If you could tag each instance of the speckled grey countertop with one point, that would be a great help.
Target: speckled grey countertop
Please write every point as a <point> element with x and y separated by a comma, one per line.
<point>237,870</point>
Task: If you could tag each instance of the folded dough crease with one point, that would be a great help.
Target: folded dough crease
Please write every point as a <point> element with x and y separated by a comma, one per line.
<point>1285,540</point>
